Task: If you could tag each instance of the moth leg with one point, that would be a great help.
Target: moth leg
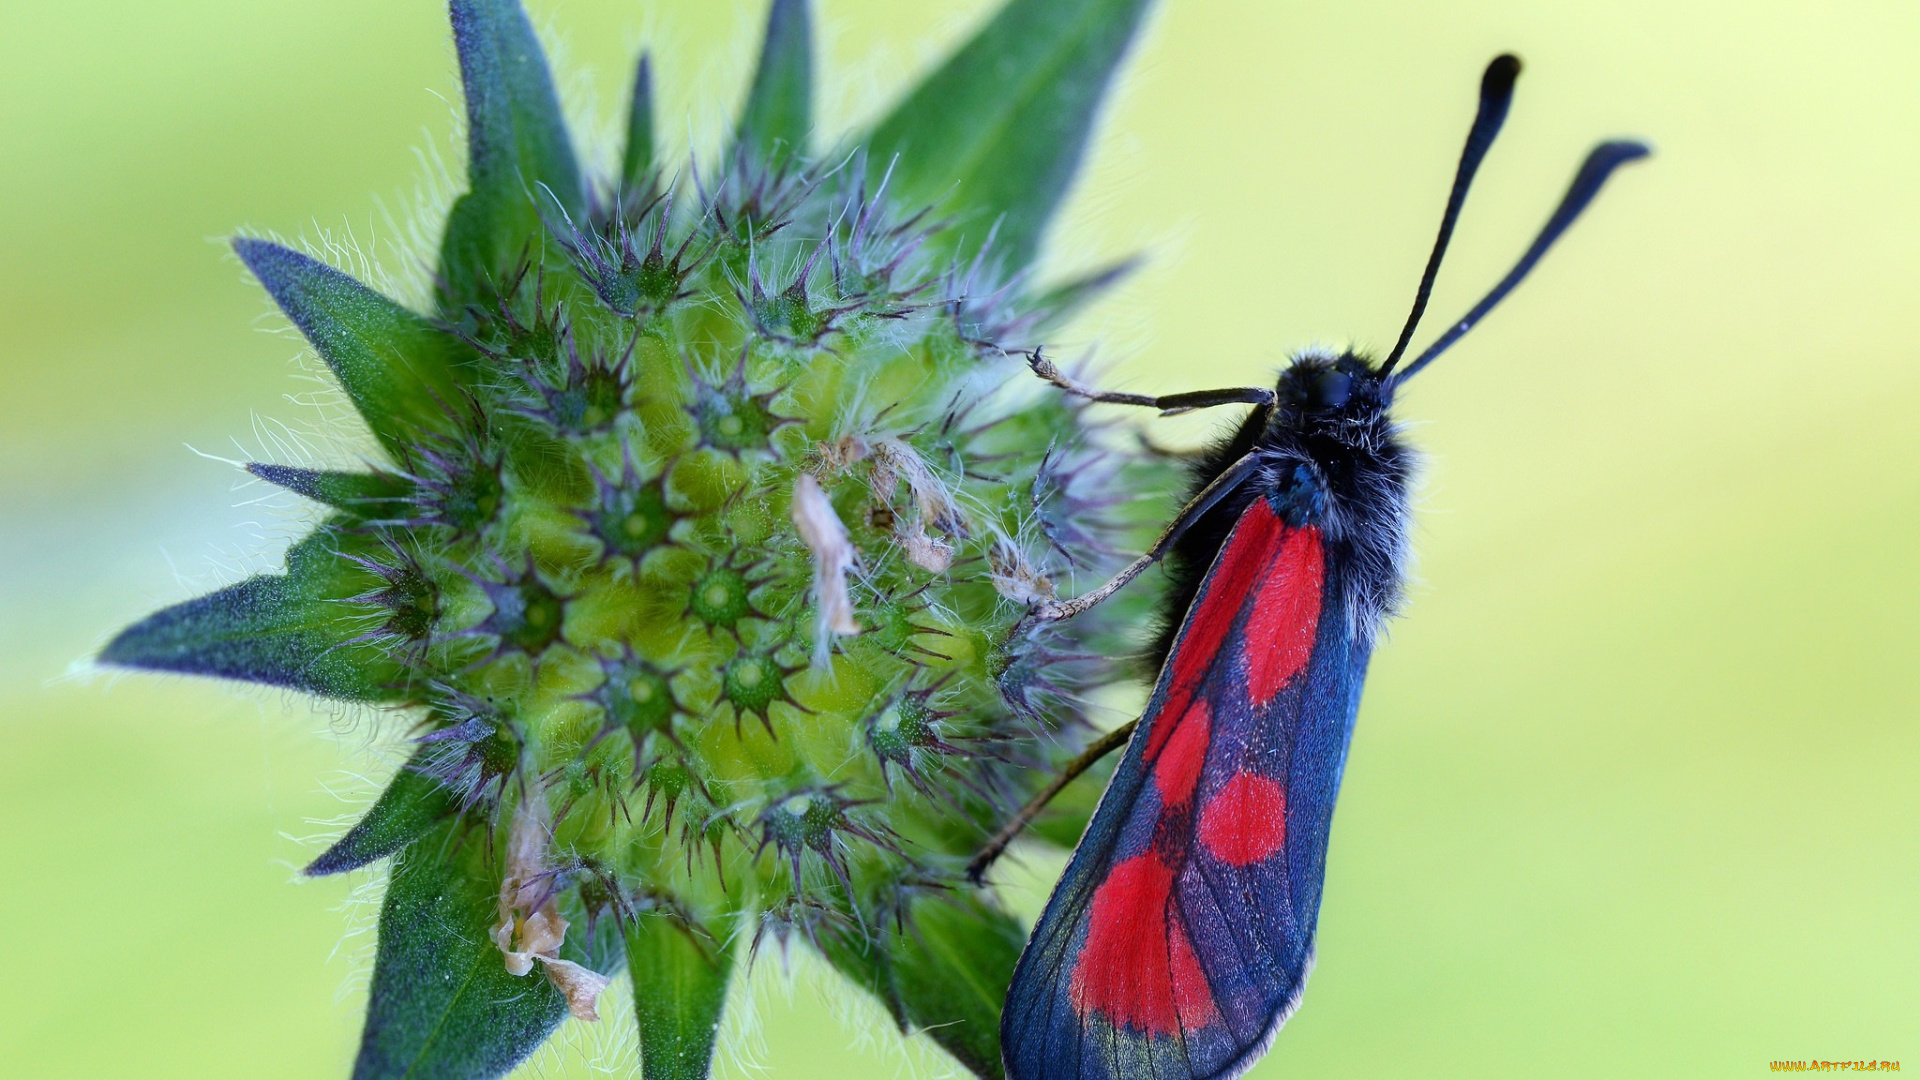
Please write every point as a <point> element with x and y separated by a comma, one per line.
<point>1168,404</point>
<point>1017,824</point>
<point>1168,453</point>
<point>1232,477</point>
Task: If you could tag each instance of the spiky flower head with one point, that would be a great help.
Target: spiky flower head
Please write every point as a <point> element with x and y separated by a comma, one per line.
<point>708,502</point>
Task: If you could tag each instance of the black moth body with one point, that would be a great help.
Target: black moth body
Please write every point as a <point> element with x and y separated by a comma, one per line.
<point>1330,417</point>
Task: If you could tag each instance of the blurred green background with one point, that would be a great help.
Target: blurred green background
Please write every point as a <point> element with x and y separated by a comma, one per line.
<point>1636,787</point>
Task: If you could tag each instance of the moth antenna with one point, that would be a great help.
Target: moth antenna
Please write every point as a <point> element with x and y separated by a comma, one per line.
<point>1496,94</point>
<point>1601,161</point>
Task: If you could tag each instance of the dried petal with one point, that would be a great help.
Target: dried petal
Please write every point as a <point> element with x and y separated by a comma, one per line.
<point>833,554</point>
<point>581,986</point>
<point>923,551</point>
<point>531,927</point>
<point>930,496</point>
<point>1014,577</point>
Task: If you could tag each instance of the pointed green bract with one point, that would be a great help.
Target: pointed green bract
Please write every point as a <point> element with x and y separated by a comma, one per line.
<point>777,119</point>
<point>637,159</point>
<point>996,134</point>
<point>293,630</point>
<point>412,804</point>
<point>943,971</point>
<point>517,145</point>
<point>368,494</point>
<point>680,976</point>
<point>403,375</point>
<point>951,967</point>
<point>443,1004</point>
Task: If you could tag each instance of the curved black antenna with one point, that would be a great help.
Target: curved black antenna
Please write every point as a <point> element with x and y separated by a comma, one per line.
<point>1496,93</point>
<point>1593,174</point>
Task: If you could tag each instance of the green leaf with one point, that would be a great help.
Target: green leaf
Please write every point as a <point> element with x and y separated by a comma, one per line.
<point>516,144</point>
<point>443,1004</point>
<point>402,374</point>
<point>951,969</point>
<point>778,116</point>
<point>942,971</point>
<point>680,976</point>
<point>860,956</point>
<point>638,157</point>
<point>996,134</point>
<point>289,629</point>
<point>412,804</point>
<point>368,494</point>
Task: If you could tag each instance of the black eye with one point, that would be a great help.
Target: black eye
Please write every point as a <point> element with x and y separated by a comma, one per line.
<point>1331,389</point>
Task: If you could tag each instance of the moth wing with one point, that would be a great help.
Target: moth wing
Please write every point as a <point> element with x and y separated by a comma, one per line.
<point>1178,939</point>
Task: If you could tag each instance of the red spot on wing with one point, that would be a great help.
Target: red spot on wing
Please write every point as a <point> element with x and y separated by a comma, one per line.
<point>1192,996</point>
<point>1240,565</point>
<point>1286,614</point>
<point>1137,968</point>
<point>1245,821</point>
<point>1176,766</point>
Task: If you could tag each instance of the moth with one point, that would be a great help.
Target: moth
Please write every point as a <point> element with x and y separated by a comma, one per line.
<point>1179,939</point>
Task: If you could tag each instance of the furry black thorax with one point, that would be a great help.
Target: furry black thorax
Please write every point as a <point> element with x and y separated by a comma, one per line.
<point>1331,457</point>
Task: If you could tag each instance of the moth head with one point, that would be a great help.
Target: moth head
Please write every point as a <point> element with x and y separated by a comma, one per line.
<point>1317,385</point>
